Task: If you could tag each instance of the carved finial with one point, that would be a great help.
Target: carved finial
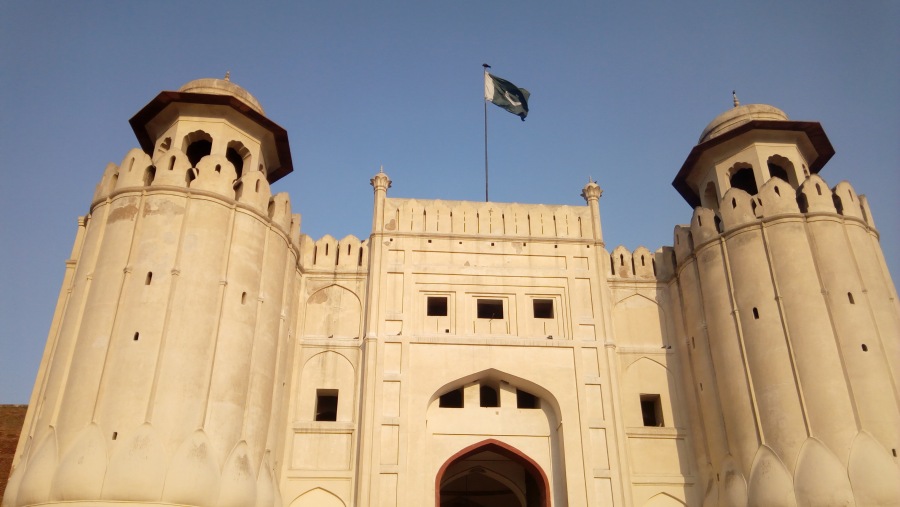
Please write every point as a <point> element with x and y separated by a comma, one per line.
<point>227,75</point>
<point>591,191</point>
<point>381,169</point>
<point>380,181</point>
<point>735,99</point>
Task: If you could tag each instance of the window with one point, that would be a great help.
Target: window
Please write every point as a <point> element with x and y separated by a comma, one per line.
<point>326,404</point>
<point>543,308</point>
<point>490,309</point>
<point>526,400</point>
<point>197,150</point>
<point>744,179</point>
<point>488,396</point>
<point>453,399</point>
<point>651,410</point>
<point>436,306</point>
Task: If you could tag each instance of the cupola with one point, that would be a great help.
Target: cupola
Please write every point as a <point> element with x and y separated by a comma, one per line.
<point>214,117</point>
<point>746,146</point>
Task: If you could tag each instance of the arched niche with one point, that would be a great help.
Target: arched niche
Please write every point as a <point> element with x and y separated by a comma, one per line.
<point>639,321</point>
<point>648,382</point>
<point>332,312</point>
<point>326,374</point>
<point>318,497</point>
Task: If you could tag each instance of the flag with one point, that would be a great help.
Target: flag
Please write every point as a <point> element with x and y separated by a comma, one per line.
<point>506,95</point>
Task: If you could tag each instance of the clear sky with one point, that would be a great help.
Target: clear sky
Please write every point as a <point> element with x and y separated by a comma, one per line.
<point>619,91</point>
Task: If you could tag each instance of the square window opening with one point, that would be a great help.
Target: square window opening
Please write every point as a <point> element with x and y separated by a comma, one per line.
<point>326,404</point>
<point>651,410</point>
<point>452,399</point>
<point>527,400</point>
<point>490,308</point>
<point>543,308</point>
<point>488,396</point>
<point>436,306</point>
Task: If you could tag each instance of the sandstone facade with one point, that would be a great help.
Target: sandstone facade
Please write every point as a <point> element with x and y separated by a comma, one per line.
<point>204,352</point>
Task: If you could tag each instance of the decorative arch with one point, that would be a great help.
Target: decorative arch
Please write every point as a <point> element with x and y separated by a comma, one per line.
<point>332,372</point>
<point>782,167</point>
<point>639,321</point>
<point>495,376</point>
<point>531,468</point>
<point>664,500</point>
<point>647,381</point>
<point>197,145</point>
<point>238,155</point>
<point>741,176</point>
<point>333,312</point>
<point>318,497</point>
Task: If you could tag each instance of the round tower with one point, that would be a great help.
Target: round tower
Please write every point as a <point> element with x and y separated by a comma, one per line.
<point>793,322</point>
<point>162,380</point>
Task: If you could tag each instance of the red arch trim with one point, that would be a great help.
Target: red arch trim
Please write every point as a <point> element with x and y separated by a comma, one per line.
<point>502,449</point>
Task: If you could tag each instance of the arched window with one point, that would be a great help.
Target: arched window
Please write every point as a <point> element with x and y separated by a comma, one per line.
<point>196,146</point>
<point>238,155</point>
<point>742,177</point>
<point>780,167</point>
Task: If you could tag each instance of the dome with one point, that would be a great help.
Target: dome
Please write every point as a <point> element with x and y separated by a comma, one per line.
<point>735,117</point>
<point>214,86</point>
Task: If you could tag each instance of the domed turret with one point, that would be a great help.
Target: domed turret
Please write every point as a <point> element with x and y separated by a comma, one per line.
<point>739,115</point>
<point>212,86</point>
<point>746,146</point>
<point>214,117</point>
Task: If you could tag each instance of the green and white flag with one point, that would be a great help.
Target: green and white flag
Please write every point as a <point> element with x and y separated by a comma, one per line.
<point>506,95</point>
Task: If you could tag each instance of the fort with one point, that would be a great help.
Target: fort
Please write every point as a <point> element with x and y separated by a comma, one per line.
<point>205,352</point>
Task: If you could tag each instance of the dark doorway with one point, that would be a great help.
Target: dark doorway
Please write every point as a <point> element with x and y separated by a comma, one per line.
<point>491,474</point>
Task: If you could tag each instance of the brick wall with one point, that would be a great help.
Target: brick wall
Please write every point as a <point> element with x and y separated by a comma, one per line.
<point>11,419</point>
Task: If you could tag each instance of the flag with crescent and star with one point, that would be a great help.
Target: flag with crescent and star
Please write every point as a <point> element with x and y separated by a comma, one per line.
<point>506,95</point>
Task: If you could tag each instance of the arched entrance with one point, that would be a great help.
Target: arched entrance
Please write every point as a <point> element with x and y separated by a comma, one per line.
<point>491,474</point>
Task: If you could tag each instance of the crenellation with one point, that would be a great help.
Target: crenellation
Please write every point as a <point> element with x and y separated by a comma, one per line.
<point>737,208</point>
<point>279,210</point>
<point>486,219</point>
<point>133,170</point>
<point>846,201</point>
<point>253,189</point>
<point>816,196</point>
<point>172,168</point>
<point>703,226</point>
<point>776,197</point>
<point>107,183</point>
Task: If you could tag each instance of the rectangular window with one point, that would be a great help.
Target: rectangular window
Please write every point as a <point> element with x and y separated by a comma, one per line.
<point>543,308</point>
<point>651,410</point>
<point>453,399</point>
<point>526,400</point>
<point>437,306</point>
<point>490,308</point>
<point>326,404</point>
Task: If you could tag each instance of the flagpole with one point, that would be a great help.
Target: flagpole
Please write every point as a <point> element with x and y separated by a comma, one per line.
<point>486,67</point>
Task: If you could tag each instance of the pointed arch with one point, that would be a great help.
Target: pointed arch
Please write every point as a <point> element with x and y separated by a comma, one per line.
<point>664,500</point>
<point>507,451</point>
<point>318,497</point>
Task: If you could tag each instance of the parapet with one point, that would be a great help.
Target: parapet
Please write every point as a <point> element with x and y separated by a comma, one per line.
<point>642,264</point>
<point>350,254</point>
<point>213,175</point>
<point>776,198</point>
<point>486,219</point>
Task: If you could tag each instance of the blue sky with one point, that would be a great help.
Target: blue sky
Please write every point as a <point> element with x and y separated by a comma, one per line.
<point>620,92</point>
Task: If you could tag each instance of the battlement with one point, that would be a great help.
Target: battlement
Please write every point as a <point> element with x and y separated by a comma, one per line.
<point>349,254</point>
<point>776,198</point>
<point>486,219</point>
<point>213,174</point>
<point>642,264</point>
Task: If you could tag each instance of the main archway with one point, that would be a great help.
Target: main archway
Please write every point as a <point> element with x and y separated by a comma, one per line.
<point>491,474</point>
